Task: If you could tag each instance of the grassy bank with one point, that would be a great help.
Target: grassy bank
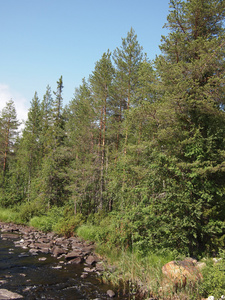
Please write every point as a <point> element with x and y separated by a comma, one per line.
<point>142,274</point>
<point>137,270</point>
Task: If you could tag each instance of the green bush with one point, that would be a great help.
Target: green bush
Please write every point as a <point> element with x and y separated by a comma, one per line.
<point>28,210</point>
<point>43,223</point>
<point>214,277</point>
<point>67,225</point>
<point>47,222</point>
<point>9,215</point>
<point>88,232</point>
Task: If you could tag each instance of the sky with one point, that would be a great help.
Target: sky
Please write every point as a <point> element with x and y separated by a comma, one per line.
<point>44,39</point>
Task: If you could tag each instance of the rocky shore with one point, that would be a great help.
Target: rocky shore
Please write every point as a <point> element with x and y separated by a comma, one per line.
<point>68,250</point>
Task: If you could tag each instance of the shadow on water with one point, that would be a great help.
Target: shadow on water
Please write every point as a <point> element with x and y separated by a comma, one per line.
<point>45,277</point>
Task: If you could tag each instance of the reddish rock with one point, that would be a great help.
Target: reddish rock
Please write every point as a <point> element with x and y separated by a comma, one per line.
<point>180,273</point>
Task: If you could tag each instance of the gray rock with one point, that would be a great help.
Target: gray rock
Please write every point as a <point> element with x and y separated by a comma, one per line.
<point>84,275</point>
<point>77,260</point>
<point>87,270</point>
<point>91,260</point>
<point>57,251</point>
<point>6,295</point>
<point>111,294</point>
<point>42,258</point>
<point>73,254</point>
<point>10,236</point>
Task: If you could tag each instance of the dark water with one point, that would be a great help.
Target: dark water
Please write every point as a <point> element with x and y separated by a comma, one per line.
<point>23,273</point>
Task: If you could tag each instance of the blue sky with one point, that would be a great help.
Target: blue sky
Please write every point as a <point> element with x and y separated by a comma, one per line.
<point>44,39</point>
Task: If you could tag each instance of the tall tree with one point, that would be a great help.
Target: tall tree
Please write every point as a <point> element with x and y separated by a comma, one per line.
<point>82,142</point>
<point>29,151</point>
<point>46,136</point>
<point>101,85</point>
<point>52,175</point>
<point>8,134</point>
<point>57,112</point>
<point>190,132</point>
<point>127,59</point>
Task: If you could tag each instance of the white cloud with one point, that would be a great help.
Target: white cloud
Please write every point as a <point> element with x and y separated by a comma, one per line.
<point>7,94</point>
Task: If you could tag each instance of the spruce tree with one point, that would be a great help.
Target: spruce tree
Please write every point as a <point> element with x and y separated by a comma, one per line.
<point>8,134</point>
<point>189,141</point>
<point>82,142</point>
<point>29,151</point>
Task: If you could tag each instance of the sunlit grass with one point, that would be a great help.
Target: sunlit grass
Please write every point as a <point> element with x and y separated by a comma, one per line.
<point>9,215</point>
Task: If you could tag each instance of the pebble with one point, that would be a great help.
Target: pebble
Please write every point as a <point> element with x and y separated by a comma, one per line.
<point>42,258</point>
<point>111,294</point>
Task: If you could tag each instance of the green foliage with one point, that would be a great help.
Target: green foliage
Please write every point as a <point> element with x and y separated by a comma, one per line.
<point>136,160</point>
<point>88,232</point>
<point>67,225</point>
<point>214,277</point>
<point>43,223</point>
<point>47,221</point>
<point>28,210</point>
<point>139,273</point>
<point>9,215</point>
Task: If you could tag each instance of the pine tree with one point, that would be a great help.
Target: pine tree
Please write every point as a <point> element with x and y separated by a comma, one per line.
<point>101,85</point>
<point>8,134</point>
<point>29,151</point>
<point>127,59</point>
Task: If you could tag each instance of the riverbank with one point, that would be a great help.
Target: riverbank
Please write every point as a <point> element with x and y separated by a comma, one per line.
<point>67,251</point>
<point>140,275</point>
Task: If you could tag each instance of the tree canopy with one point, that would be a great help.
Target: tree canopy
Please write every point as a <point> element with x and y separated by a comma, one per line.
<point>141,141</point>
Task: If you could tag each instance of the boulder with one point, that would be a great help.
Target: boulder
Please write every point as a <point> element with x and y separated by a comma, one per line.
<point>10,236</point>
<point>77,260</point>
<point>180,273</point>
<point>73,254</point>
<point>57,251</point>
<point>91,259</point>
<point>6,295</point>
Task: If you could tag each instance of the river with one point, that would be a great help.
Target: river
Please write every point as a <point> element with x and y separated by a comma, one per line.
<point>43,276</point>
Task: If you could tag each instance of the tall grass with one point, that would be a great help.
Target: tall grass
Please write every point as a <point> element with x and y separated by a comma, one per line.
<point>137,272</point>
<point>9,215</point>
<point>142,274</point>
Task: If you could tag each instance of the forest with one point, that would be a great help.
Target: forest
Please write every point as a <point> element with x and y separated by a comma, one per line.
<point>137,158</point>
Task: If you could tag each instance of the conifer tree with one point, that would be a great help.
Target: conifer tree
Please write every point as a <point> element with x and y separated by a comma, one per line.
<point>28,149</point>
<point>127,59</point>
<point>190,131</point>
<point>82,141</point>
<point>8,134</point>
<point>101,85</point>
<point>46,137</point>
<point>52,176</point>
<point>57,110</point>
